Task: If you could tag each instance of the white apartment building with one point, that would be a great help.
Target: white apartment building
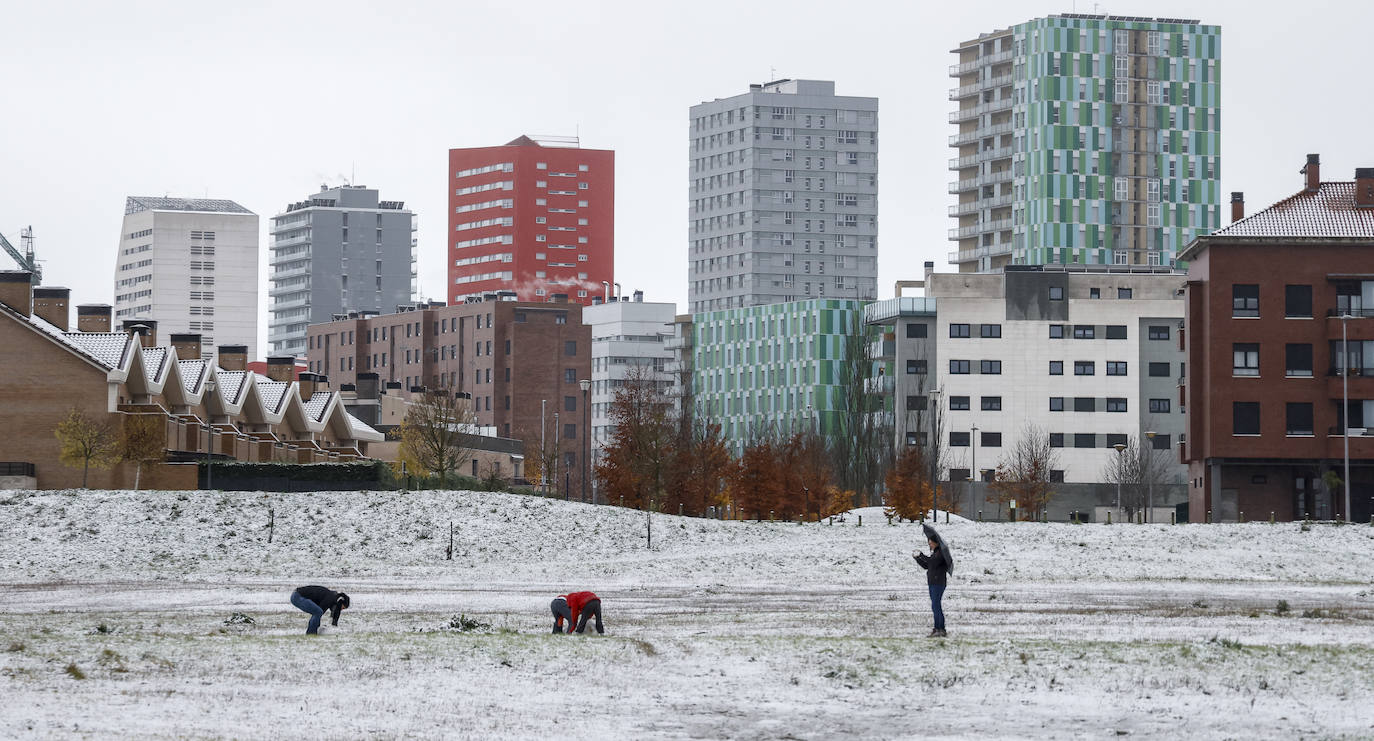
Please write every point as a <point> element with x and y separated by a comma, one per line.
<point>191,265</point>
<point>625,335</point>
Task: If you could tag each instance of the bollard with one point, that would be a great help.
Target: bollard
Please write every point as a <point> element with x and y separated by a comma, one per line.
<point>1271,517</point>
<point>1139,517</point>
<point>947,517</point>
<point>770,515</point>
<point>679,509</point>
<point>1173,518</point>
<point>1011,514</point>
<point>622,500</point>
<point>1109,517</point>
<point>1242,515</point>
<point>861,520</point>
<point>980,515</point>
<point>1209,517</point>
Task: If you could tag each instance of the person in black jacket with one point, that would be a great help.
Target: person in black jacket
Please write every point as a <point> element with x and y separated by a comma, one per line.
<point>315,601</point>
<point>937,565</point>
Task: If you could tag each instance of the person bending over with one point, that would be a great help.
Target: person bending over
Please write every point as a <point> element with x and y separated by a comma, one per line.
<point>315,601</point>
<point>576,608</point>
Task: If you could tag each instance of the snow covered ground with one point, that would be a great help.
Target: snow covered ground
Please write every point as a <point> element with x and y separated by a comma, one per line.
<point>722,630</point>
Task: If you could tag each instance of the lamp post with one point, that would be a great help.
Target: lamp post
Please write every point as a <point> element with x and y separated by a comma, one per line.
<point>932,445</point>
<point>1149,475</point>
<point>209,431</point>
<point>587,441</point>
<point>557,451</point>
<point>1118,448</point>
<point>543,451</point>
<point>973,471</point>
<point>1345,407</point>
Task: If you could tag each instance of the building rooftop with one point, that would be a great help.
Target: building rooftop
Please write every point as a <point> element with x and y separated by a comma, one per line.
<point>134,204</point>
<point>1329,211</point>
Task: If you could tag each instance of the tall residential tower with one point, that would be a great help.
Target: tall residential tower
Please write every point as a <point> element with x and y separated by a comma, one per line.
<point>1087,139</point>
<point>784,197</point>
<point>340,250</point>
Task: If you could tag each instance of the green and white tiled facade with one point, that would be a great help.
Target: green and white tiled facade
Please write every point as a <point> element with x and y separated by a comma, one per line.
<point>1086,139</point>
<point>756,370</point>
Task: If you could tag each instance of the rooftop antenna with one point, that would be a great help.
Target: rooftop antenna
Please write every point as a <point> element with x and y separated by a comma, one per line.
<point>352,172</point>
<point>772,73</point>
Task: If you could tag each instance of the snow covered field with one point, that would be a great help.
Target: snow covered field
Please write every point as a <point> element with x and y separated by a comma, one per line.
<point>117,620</point>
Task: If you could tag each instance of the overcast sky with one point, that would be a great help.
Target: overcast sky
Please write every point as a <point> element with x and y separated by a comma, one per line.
<point>263,102</point>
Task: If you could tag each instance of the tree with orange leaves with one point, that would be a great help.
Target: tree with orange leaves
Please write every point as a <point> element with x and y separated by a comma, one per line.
<point>908,485</point>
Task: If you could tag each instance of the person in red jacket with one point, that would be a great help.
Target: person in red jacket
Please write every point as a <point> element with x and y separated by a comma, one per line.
<point>573,605</point>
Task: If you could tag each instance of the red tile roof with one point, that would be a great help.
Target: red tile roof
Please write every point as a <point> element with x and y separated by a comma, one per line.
<point>1328,212</point>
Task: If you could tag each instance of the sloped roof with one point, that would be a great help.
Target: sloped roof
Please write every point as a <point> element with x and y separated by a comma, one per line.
<point>155,364</point>
<point>361,430</point>
<point>523,141</point>
<point>152,203</point>
<point>272,393</point>
<point>1330,211</point>
<point>191,374</point>
<point>231,385</point>
<point>318,405</point>
<point>108,348</point>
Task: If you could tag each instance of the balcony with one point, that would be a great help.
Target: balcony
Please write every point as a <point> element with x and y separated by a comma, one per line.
<point>997,153</point>
<point>979,228</point>
<point>991,250</point>
<point>973,207</point>
<point>961,186</point>
<point>965,91</point>
<point>959,69</point>
<point>968,114</point>
<point>981,132</point>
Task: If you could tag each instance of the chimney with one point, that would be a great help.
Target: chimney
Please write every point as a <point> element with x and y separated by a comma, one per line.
<point>281,368</point>
<point>929,269</point>
<point>1313,171</point>
<point>596,300</point>
<point>187,346</point>
<point>50,304</point>
<point>146,329</point>
<point>16,290</point>
<point>368,386</point>
<point>1364,187</point>
<point>1237,206</point>
<point>639,297</point>
<point>233,357</point>
<point>93,317</point>
<point>305,385</point>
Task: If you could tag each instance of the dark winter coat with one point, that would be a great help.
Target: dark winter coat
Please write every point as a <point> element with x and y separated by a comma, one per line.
<point>936,566</point>
<point>327,599</point>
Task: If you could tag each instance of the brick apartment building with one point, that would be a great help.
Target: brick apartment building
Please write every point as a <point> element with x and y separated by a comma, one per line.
<point>533,217</point>
<point>509,355</point>
<point>207,407</point>
<point>1269,300</point>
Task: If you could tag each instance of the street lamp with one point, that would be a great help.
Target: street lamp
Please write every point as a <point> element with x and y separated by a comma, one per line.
<point>973,472</point>
<point>543,451</point>
<point>1345,407</point>
<point>1149,475</point>
<point>557,451</point>
<point>1118,448</point>
<point>587,442</point>
<point>209,431</point>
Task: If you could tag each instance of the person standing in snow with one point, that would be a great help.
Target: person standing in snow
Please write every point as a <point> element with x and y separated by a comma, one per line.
<point>572,605</point>
<point>315,601</point>
<point>938,565</point>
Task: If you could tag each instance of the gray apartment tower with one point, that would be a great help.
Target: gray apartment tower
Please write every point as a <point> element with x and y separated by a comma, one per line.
<point>784,197</point>
<point>340,250</point>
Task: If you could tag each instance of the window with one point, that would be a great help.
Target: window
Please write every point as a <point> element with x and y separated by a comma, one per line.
<point>570,431</point>
<point>1084,440</point>
<point>958,366</point>
<point>1297,301</point>
<point>1084,331</point>
<point>992,403</point>
<point>916,367</point>
<point>1094,293</point>
<point>1299,418</point>
<point>1159,406</point>
<point>1116,404</point>
<point>1116,331</point>
<point>989,330</point>
<point>1298,360</point>
<point>570,403</point>
<point>958,403</point>
<point>1159,370</point>
<point>1057,475</point>
<point>1056,403</point>
<point>990,367</point>
<point>1056,439</point>
<point>1244,300</point>
<point>1056,331</point>
<point>1116,367</point>
<point>915,331</point>
<point>990,439</point>
<point>958,439</point>
<point>1245,418</point>
<point>1245,359</point>
<point>959,474</point>
<point>1124,293</point>
<point>1056,293</point>
<point>1159,332</point>
<point>1085,403</point>
<point>1161,442</point>
<point>1056,367</point>
<point>958,330</point>
<point>569,375</point>
<point>1084,368</point>
<point>915,403</point>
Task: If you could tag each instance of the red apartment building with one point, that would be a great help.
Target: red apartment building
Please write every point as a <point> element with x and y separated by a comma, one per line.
<point>1269,300</point>
<point>532,219</point>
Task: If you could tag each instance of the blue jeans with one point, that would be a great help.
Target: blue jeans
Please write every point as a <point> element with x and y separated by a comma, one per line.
<point>316,612</point>
<point>937,593</point>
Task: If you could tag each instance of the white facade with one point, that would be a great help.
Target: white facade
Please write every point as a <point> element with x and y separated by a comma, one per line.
<point>625,335</point>
<point>191,265</point>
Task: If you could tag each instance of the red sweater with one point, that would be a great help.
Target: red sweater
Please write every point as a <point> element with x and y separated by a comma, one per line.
<point>577,601</point>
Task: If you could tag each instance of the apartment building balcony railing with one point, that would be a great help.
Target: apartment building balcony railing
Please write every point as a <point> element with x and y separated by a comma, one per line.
<point>971,207</point>
<point>991,178</point>
<point>979,228</point>
<point>989,250</point>
<point>964,68</point>
<point>302,238</point>
<point>996,153</point>
<point>981,132</point>
<point>290,272</point>
<point>965,114</point>
<point>965,91</point>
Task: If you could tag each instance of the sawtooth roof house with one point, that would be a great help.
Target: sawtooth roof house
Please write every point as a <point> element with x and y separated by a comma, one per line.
<point>209,407</point>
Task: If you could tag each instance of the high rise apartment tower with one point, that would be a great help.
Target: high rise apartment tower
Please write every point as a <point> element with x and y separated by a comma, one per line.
<point>784,197</point>
<point>533,217</point>
<point>1085,139</point>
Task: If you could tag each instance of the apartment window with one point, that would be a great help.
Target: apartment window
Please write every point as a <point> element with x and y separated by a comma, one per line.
<point>1161,442</point>
<point>1084,440</point>
<point>990,439</point>
<point>570,431</point>
<point>1245,418</point>
<point>1158,332</point>
<point>1123,293</point>
<point>916,403</point>
<point>1159,370</point>
<point>1297,301</point>
<point>958,439</point>
<point>1056,293</point>
<point>1116,367</point>
<point>569,375</point>
<point>990,367</point>
<point>1085,403</point>
<point>1084,331</point>
<point>1116,404</point>
<point>915,331</point>
<point>916,367</point>
<point>991,403</point>
<point>1159,406</point>
<point>1244,300</point>
<point>958,403</point>
<point>1298,360</point>
<point>1056,331</point>
<point>1299,416</point>
<point>959,367</point>
<point>1084,368</point>
<point>1094,293</point>
<point>1056,439</point>
<point>958,330</point>
<point>1056,367</point>
<point>1056,403</point>
<point>1116,332</point>
<point>570,347</point>
<point>990,330</point>
<point>1245,359</point>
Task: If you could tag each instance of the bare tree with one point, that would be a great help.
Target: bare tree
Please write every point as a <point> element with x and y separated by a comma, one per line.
<point>436,432</point>
<point>1024,472</point>
<point>1138,469</point>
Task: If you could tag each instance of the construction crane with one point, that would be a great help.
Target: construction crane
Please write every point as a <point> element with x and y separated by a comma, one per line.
<point>25,259</point>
